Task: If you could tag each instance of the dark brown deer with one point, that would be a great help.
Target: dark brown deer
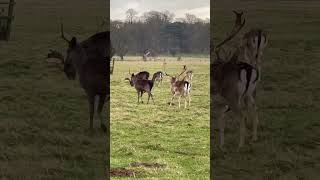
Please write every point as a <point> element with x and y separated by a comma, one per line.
<point>142,86</point>
<point>141,75</point>
<point>90,60</point>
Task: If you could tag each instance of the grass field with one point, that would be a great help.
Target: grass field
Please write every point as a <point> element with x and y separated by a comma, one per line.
<point>44,117</point>
<point>176,138</point>
<point>288,95</point>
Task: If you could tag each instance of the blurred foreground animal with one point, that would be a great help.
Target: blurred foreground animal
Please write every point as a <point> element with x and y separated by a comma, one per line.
<point>90,60</point>
<point>235,80</point>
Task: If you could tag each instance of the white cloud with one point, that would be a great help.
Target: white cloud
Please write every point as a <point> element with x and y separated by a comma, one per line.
<point>200,8</point>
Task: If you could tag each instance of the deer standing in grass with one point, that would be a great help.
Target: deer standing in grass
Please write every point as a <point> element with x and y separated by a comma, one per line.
<point>180,88</point>
<point>142,86</point>
<point>88,59</point>
<point>235,80</point>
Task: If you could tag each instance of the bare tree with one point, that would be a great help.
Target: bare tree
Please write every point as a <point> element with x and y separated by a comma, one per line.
<point>131,15</point>
<point>119,38</point>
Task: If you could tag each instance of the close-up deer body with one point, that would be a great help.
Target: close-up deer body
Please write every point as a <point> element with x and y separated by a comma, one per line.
<point>88,59</point>
<point>234,84</point>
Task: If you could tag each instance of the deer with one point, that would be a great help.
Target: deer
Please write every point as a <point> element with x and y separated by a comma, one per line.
<point>234,84</point>
<point>158,77</point>
<point>140,75</point>
<point>142,86</point>
<point>180,88</point>
<point>186,74</point>
<point>88,59</point>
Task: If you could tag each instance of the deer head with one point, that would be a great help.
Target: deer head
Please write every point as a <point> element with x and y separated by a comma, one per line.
<point>76,56</point>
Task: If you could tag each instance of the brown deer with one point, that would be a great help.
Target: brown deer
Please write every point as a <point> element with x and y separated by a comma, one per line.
<point>234,84</point>
<point>88,59</point>
<point>142,86</point>
<point>180,88</point>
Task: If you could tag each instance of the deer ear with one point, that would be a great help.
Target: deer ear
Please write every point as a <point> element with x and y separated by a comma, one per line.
<point>73,42</point>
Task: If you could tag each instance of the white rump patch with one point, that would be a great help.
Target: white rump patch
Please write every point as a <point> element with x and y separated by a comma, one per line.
<point>243,81</point>
<point>187,88</point>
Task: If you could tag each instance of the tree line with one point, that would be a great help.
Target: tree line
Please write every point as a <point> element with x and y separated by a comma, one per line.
<point>159,33</point>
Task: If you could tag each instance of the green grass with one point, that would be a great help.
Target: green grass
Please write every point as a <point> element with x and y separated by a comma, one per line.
<point>177,138</point>
<point>44,117</point>
<point>288,95</point>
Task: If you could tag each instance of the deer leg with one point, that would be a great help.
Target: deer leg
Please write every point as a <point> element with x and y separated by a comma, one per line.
<point>91,99</point>
<point>141,96</point>
<point>255,124</point>
<point>152,97</point>
<point>148,97</point>
<point>240,115</point>
<point>179,100</point>
<point>100,107</point>
<point>221,123</point>
<point>172,98</point>
<point>138,96</point>
<point>253,116</point>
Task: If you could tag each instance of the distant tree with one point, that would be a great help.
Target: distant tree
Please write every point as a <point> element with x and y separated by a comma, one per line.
<point>119,38</point>
<point>160,33</point>
<point>192,19</point>
<point>131,15</point>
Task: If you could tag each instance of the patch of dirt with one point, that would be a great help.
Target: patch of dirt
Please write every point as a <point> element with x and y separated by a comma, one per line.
<point>147,165</point>
<point>123,172</point>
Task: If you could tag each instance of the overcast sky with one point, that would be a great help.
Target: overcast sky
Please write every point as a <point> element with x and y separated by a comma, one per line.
<point>200,8</point>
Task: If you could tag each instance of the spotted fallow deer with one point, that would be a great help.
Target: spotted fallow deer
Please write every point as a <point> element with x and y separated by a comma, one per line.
<point>180,88</point>
<point>234,84</point>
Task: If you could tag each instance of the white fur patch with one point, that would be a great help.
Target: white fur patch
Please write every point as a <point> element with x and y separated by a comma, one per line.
<point>252,82</point>
<point>187,88</point>
<point>243,81</point>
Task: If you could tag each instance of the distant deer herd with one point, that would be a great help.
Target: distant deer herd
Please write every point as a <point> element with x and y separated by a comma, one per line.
<point>235,75</point>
